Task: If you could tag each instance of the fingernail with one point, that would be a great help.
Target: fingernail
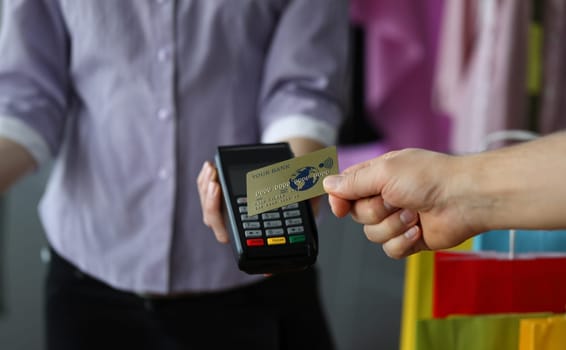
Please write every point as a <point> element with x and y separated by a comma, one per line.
<point>332,182</point>
<point>205,170</point>
<point>388,206</point>
<point>407,216</point>
<point>209,170</point>
<point>411,233</point>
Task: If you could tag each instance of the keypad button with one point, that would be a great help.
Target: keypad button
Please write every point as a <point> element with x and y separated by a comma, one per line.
<point>297,239</point>
<point>274,232</point>
<point>255,242</point>
<point>252,233</point>
<point>295,230</point>
<point>269,216</point>
<point>251,225</point>
<point>242,200</point>
<point>291,213</point>
<point>291,206</point>
<point>246,217</point>
<point>272,223</point>
<point>291,222</point>
<point>276,240</point>
<point>243,209</point>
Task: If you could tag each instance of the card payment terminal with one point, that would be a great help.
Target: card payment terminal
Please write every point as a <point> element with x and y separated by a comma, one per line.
<point>278,240</point>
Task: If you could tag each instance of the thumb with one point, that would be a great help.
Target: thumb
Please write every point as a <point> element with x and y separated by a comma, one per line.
<point>333,184</point>
<point>360,183</point>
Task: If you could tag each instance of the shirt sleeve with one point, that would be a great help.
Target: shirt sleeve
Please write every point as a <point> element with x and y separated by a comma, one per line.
<point>34,80</point>
<point>305,79</point>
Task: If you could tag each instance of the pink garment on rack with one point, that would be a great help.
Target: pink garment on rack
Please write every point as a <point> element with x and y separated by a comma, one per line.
<point>401,40</point>
<point>481,77</point>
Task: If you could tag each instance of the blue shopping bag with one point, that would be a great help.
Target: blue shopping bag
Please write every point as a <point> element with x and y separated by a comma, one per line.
<point>524,241</point>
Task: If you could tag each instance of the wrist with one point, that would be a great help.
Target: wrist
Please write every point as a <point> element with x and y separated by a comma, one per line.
<point>471,192</point>
<point>491,187</point>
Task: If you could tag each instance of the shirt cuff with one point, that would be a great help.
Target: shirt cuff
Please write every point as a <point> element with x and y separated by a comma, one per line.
<point>298,125</point>
<point>19,132</point>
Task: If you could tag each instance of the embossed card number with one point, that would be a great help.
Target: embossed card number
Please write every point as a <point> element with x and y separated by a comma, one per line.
<point>290,181</point>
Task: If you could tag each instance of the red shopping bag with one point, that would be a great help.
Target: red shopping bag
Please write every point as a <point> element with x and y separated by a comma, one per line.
<point>488,282</point>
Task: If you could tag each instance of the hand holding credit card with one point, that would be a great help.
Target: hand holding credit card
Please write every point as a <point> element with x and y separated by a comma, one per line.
<point>290,181</point>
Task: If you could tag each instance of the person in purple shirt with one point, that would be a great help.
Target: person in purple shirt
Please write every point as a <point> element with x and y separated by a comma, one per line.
<point>128,99</point>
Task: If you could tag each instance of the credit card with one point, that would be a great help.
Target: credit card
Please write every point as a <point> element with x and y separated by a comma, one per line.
<point>290,181</point>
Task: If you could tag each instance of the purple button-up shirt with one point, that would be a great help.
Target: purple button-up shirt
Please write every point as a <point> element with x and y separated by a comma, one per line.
<point>131,96</point>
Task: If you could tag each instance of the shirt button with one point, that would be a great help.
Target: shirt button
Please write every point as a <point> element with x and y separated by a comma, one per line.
<point>163,174</point>
<point>163,55</point>
<point>163,114</point>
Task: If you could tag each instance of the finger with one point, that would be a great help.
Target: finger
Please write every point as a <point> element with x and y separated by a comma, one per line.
<point>204,177</point>
<point>408,243</point>
<point>360,183</point>
<point>212,211</point>
<point>391,227</point>
<point>328,186</point>
<point>340,207</point>
<point>372,210</point>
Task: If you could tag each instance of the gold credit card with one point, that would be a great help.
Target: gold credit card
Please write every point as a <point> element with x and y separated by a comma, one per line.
<point>290,181</point>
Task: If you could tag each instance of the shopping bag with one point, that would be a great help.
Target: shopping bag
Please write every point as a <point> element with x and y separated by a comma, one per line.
<point>417,293</point>
<point>468,283</point>
<point>417,296</point>
<point>525,241</point>
<point>543,333</point>
<point>488,332</point>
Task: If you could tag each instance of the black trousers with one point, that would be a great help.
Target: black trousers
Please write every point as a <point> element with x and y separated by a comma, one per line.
<point>282,312</point>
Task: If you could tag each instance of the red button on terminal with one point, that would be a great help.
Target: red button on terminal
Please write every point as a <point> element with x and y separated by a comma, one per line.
<point>254,242</point>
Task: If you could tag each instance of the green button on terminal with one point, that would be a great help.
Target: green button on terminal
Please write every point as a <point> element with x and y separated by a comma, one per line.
<point>296,239</point>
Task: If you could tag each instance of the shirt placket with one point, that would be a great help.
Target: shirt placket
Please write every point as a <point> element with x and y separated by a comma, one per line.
<point>165,126</point>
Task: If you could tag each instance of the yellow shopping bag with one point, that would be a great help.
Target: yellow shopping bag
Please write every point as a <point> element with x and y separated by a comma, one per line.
<point>543,333</point>
<point>485,332</point>
<point>417,294</point>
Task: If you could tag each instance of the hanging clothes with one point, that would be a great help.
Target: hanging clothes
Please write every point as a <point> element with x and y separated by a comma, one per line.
<point>485,72</point>
<point>481,78</point>
<point>401,42</point>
